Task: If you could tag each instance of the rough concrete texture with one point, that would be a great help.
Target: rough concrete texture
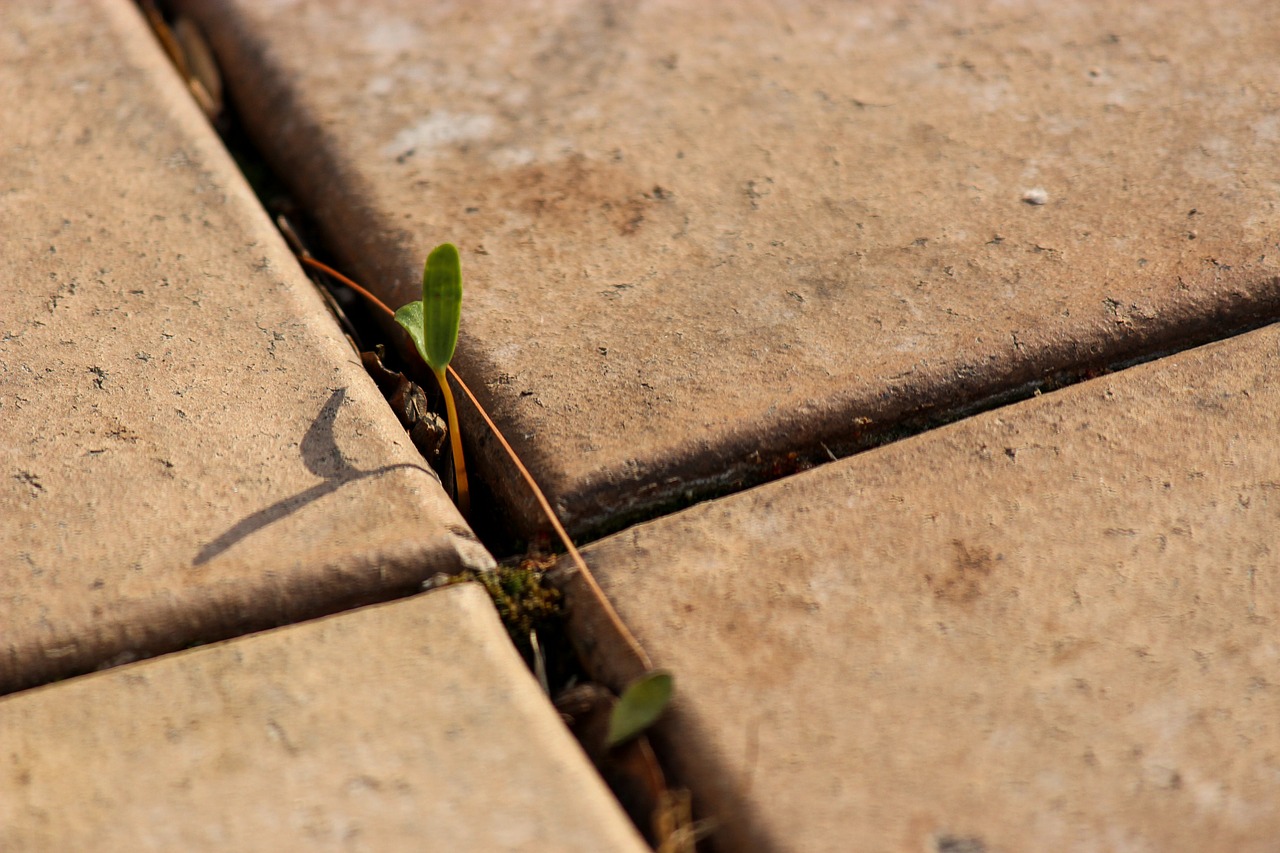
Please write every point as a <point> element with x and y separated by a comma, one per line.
<point>1050,627</point>
<point>407,726</point>
<point>190,448</point>
<point>701,236</point>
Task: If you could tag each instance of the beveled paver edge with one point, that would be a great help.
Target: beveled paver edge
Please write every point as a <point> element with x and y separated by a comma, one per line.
<point>149,628</point>
<point>775,445</point>
<point>543,743</point>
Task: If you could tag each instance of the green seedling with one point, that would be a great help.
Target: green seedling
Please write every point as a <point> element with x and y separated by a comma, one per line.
<point>640,705</point>
<point>619,638</point>
<point>433,325</point>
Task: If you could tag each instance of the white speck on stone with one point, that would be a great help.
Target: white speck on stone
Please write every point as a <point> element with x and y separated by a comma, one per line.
<point>1035,195</point>
<point>392,36</point>
<point>1267,128</point>
<point>509,158</point>
<point>378,86</point>
<point>438,130</point>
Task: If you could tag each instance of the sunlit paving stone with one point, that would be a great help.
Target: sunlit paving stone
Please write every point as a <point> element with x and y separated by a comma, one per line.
<point>190,447</point>
<point>406,726</point>
<point>703,237</point>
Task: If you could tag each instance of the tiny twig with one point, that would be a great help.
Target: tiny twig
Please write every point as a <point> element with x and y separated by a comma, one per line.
<point>328,270</point>
<point>552,518</point>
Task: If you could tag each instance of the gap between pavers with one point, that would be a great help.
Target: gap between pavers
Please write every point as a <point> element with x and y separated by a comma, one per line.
<point>1050,627</point>
<point>412,725</point>
<point>190,448</point>
<point>699,237</point>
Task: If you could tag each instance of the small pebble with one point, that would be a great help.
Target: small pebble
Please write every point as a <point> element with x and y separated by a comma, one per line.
<point>1035,196</point>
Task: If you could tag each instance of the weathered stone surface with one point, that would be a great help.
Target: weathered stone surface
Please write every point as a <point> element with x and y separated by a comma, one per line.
<point>406,726</point>
<point>701,236</point>
<point>189,447</point>
<point>1051,627</point>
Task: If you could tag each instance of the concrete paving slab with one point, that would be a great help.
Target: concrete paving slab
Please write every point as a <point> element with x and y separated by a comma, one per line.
<point>700,237</point>
<point>406,726</point>
<point>189,448</point>
<point>1050,627</point>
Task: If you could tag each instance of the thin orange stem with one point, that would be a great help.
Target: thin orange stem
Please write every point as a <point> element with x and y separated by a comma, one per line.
<point>455,443</point>
<point>328,270</point>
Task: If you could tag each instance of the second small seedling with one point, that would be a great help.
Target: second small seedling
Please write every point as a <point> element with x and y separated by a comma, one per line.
<point>433,325</point>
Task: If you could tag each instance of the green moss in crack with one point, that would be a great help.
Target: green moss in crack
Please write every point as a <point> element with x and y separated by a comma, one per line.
<point>524,601</point>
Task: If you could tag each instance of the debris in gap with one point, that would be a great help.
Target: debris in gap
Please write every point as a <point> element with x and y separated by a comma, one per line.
<point>191,55</point>
<point>409,402</point>
<point>621,657</point>
<point>631,770</point>
<point>675,824</point>
<point>203,77</point>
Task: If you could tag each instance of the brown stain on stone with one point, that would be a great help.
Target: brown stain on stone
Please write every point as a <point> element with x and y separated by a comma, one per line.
<point>963,580</point>
<point>566,195</point>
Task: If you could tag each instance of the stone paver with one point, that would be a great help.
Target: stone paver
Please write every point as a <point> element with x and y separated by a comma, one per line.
<point>406,726</point>
<point>189,448</point>
<point>1050,627</point>
<point>702,236</point>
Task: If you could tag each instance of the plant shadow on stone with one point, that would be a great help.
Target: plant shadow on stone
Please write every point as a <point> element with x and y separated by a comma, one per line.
<point>322,457</point>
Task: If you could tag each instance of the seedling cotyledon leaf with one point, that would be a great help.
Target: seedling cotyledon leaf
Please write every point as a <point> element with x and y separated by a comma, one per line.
<point>640,705</point>
<point>433,326</point>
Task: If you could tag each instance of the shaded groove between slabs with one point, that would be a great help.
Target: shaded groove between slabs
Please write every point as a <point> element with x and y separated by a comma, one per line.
<point>916,413</point>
